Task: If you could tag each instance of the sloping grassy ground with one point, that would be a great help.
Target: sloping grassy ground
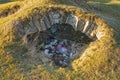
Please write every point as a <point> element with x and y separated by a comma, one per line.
<point>4,1</point>
<point>9,9</point>
<point>102,63</point>
<point>109,10</point>
<point>7,1</point>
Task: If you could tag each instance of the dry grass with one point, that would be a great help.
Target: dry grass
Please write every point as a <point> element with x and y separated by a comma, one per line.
<point>9,8</point>
<point>100,63</point>
<point>108,10</point>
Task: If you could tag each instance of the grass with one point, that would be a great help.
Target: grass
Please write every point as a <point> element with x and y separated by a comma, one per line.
<point>9,8</point>
<point>4,1</point>
<point>108,10</point>
<point>101,62</point>
<point>7,1</point>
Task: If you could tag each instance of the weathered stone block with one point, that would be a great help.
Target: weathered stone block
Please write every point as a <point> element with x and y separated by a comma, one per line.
<point>72,20</point>
<point>37,24</point>
<point>90,30</point>
<point>86,26</point>
<point>32,27</point>
<point>47,22</point>
<point>42,25</point>
<point>54,18</point>
<point>21,28</point>
<point>89,26</point>
<point>80,25</point>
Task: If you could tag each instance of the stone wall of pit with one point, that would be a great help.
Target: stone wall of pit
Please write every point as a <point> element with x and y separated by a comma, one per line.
<point>35,24</point>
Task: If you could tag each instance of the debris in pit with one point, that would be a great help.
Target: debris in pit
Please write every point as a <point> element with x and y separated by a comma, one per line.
<point>59,51</point>
<point>62,43</point>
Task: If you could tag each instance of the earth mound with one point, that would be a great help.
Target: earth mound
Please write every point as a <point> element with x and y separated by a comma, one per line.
<point>27,31</point>
<point>72,25</point>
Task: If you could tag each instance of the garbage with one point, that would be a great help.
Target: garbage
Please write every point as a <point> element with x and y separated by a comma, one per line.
<point>60,51</point>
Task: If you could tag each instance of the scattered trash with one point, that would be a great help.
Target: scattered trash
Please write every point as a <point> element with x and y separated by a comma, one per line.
<point>60,51</point>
